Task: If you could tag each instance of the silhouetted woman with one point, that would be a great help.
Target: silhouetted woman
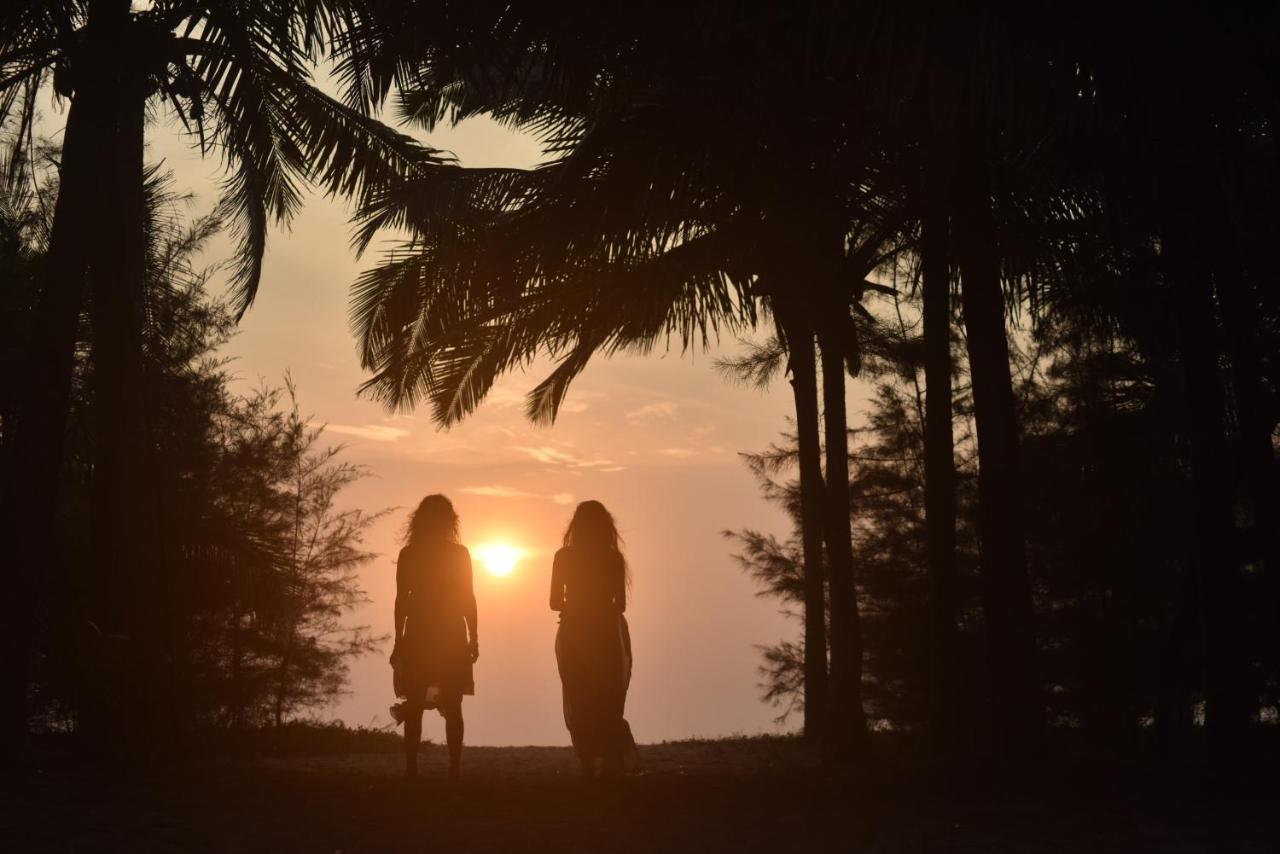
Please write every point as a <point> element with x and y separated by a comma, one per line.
<point>593,644</point>
<point>435,627</point>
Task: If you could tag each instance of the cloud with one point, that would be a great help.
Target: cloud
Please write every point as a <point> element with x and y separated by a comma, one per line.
<point>511,397</point>
<point>372,432</point>
<point>678,453</point>
<point>504,396</point>
<point>580,400</point>
<point>554,456</point>
<point>499,491</point>
<point>660,409</point>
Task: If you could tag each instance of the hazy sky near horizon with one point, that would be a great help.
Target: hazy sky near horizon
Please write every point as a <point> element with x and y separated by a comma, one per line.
<point>655,438</point>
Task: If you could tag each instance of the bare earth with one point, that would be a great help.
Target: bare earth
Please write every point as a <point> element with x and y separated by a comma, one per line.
<point>735,795</point>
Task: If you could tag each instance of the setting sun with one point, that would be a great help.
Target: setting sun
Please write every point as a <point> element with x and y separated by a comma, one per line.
<point>498,558</point>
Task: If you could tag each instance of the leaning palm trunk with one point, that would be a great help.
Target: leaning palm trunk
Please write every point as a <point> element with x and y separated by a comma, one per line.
<point>804,386</point>
<point>847,735</point>
<point>939,486</point>
<point>32,470</point>
<point>1017,711</point>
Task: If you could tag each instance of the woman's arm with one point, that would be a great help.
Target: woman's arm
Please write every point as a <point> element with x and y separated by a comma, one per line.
<point>557,584</point>
<point>402,596</point>
<point>620,585</point>
<point>469,606</point>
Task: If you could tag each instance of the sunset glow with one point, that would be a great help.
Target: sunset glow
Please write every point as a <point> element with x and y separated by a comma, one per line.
<point>498,558</point>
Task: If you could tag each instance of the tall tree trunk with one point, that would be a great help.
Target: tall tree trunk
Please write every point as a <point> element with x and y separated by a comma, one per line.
<point>939,485</point>
<point>133,591</point>
<point>1215,567</point>
<point>1017,708</point>
<point>804,386</point>
<point>1255,405</point>
<point>848,725</point>
<point>32,470</point>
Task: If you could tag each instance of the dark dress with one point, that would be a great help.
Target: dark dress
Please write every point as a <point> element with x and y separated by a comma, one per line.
<point>435,597</point>
<point>593,649</point>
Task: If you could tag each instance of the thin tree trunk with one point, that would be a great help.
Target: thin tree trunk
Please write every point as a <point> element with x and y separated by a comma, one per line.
<point>939,487</point>
<point>804,386</point>
<point>1017,709</point>
<point>291,588</point>
<point>848,724</point>
<point>236,690</point>
<point>282,678</point>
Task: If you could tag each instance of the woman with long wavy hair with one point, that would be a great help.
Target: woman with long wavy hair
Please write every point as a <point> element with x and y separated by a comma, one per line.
<point>589,581</point>
<point>436,642</point>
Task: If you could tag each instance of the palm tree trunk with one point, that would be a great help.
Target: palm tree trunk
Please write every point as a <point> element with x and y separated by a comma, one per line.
<point>804,386</point>
<point>1017,709</point>
<point>34,463</point>
<point>847,735</point>
<point>939,487</point>
<point>133,591</point>
<point>1255,407</point>
<point>1215,569</point>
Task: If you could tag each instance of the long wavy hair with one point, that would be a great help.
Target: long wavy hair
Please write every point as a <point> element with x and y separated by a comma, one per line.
<point>593,526</point>
<point>434,519</point>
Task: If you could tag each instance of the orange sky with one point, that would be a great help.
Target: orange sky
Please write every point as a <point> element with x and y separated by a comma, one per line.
<point>654,438</point>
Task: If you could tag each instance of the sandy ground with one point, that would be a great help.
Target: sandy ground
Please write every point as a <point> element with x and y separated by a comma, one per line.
<point>740,796</point>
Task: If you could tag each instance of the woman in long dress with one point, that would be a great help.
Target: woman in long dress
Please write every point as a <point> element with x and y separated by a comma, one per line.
<point>593,643</point>
<point>436,642</point>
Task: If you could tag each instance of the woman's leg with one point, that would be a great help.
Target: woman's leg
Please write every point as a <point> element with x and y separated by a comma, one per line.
<point>613,727</point>
<point>585,759</point>
<point>451,708</point>
<point>412,737</point>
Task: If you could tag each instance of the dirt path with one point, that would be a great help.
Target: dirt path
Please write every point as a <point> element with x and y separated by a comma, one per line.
<point>740,796</point>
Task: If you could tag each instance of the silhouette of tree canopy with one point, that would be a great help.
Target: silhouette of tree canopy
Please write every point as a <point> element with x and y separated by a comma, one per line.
<point>1109,539</point>
<point>794,150</point>
<point>239,78</point>
<point>1063,509</point>
<point>629,234</point>
<point>261,558</point>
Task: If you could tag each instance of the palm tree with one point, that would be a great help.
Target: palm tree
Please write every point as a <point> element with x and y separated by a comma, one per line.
<point>238,77</point>
<point>1175,181</point>
<point>982,103</point>
<point>625,204</point>
<point>939,474</point>
<point>1157,151</point>
<point>797,336</point>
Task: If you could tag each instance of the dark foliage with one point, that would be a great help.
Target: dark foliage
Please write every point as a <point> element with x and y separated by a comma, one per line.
<point>261,559</point>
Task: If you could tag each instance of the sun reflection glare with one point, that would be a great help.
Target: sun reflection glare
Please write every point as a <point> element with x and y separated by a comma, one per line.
<point>498,558</point>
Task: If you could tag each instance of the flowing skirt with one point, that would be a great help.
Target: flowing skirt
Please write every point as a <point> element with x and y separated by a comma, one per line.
<point>435,661</point>
<point>593,654</point>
